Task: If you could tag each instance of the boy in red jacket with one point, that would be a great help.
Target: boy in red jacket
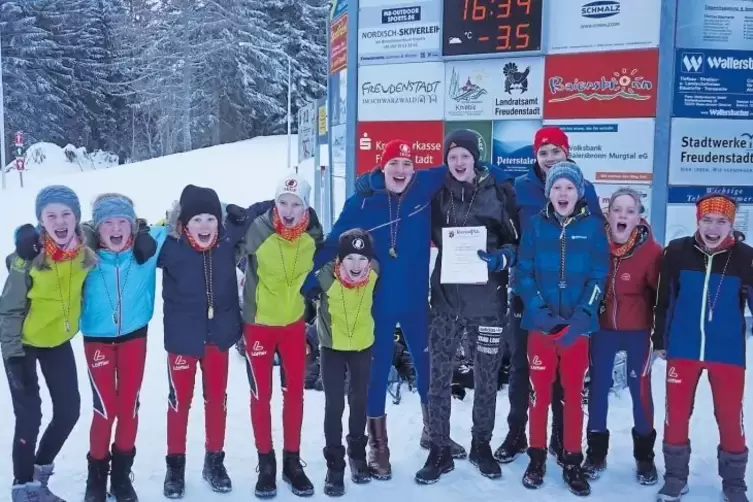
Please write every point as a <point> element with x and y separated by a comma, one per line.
<point>699,325</point>
<point>625,322</point>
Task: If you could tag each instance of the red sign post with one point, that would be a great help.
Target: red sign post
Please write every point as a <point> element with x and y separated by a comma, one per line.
<point>425,137</point>
<point>18,149</point>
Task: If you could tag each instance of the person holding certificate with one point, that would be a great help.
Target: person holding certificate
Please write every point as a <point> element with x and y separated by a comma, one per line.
<point>563,263</point>
<point>474,226</point>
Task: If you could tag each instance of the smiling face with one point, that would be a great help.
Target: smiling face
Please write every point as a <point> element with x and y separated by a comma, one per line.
<point>714,228</point>
<point>461,163</point>
<point>397,174</point>
<point>203,229</point>
<point>563,196</point>
<point>59,222</point>
<point>355,267</point>
<point>623,216</point>
<point>290,209</point>
<point>115,233</point>
<point>548,155</point>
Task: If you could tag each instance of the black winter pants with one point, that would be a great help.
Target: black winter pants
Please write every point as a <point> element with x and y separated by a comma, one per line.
<point>484,337</point>
<point>59,371</point>
<point>334,364</point>
<point>519,389</point>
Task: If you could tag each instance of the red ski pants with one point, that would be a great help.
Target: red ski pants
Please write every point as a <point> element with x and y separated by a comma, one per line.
<point>727,387</point>
<point>261,343</point>
<point>545,358</point>
<point>182,376</point>
<point>116,371</point>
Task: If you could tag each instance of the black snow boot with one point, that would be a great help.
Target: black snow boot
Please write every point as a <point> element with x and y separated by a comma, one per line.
<point>515,443</point>
<point>556,447</point>
<point>574,475</point>
<point>294,475</point>
<point>596,454</point>
<point>121,486</point>
<point>534,475</point>
<point>481,456</point>
<point>643,452</point>
<point>334,482</point>
<point>266,484</point>
<point>359,468</point>
<point>175,478</point>
<point>214,472</point>
<point>438,463</point>
<point>96,482</point>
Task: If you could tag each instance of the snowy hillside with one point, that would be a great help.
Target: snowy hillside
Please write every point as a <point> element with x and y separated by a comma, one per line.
<point>243,173</point>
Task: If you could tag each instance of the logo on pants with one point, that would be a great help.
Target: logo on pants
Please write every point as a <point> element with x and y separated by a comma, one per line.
<point>536,364</point>
<point>180,364</point>
<point>99,360</point>
<point>258,350</point>
<point>672,376</point>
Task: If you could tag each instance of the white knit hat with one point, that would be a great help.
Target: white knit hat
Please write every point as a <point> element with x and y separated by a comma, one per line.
<point>294,185</point>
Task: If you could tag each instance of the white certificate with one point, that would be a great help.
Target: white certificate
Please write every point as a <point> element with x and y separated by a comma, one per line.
<point>460,261</point>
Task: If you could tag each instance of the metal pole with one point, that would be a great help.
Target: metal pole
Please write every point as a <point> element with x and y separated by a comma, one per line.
<point>3,149</point>
<point>290,109</point>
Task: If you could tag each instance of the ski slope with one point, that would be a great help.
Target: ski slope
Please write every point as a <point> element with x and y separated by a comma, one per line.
<point>243,173</point>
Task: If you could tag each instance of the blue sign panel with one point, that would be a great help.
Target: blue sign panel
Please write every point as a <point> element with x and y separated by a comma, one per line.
<point>512,145</point>
<point>715,24</point>
<point>337,9</point>
<point>713,84</point>
<point>690,194</point>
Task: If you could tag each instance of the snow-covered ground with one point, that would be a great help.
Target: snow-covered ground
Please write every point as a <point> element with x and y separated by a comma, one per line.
<point>243,173</point>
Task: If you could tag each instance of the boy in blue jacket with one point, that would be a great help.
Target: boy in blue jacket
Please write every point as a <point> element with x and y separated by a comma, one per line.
<point>563,263</point>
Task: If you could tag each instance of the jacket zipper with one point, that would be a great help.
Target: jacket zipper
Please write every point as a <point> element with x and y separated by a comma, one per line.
<point>617,263</point>
<point>562,283</point>
<point>704,303</point>
<point>119,299</point>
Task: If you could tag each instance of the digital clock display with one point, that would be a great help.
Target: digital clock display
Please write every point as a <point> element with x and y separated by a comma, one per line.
<point>491,26</point>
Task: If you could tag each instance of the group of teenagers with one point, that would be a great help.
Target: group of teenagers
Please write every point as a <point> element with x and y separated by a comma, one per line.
<point>585,283</point>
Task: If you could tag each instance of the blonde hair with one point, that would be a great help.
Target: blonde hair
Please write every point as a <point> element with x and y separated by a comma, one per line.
<point>630,192</point>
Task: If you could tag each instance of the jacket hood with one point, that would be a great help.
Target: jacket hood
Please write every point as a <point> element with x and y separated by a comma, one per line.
<point>172,221</point>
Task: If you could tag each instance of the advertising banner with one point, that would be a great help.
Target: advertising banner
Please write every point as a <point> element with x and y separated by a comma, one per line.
<point>308,131</point>
<point>338,102</point>
<point>512,145</point>
<point>711,152</point>
<point>337,144</point>
<point>483,130</point>
<point>602,25</point>
<point>713,83</point>
<point>410,91</point>
<point>425,137</point>
<point>494,89</point>
<point>601,85</point>
<point>605,191</point>
<point>322,122</point>
<point>681,215</point>
<point>715,24</point>
<point>402,33</point>
<point>611,150</point>
<point>338,44</point>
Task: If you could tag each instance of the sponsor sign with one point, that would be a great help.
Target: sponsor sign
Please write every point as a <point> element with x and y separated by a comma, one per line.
<point>337,9</point>
<point>714,84</point>
<point>603,25</point>
<point>681,215</point>
<point>611,150</point>
<point>601,85</point>
<point>338,44</point>
<point>322,122</point>
<point>411,91</point>
<point>605,191</point>
<point>392,34</point>
<point>711,152</point>
<point>308,116</point>
<point>715,24</point>
<point>496,89</point>
<point>512,145</point>
<point>338,102</point>
<point>483,130</point>
<point>424,137</point>
<point>339,153</point>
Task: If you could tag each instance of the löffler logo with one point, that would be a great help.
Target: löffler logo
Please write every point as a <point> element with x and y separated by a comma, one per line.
<point>623,84</point>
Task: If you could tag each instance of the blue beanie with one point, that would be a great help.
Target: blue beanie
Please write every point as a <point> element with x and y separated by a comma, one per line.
<point>112,205</point>
<point>568,170</point>
<point>58,194</point>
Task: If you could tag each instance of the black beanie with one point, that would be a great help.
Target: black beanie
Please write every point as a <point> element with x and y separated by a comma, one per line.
<point>355,241</point>
<point>199,200</point>
<point>464,138</point>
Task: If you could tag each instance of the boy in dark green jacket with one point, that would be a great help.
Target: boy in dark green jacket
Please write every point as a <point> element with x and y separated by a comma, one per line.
<point>346,334</point>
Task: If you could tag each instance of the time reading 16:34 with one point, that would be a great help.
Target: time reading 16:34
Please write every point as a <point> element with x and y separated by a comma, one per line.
<point>489,26</point>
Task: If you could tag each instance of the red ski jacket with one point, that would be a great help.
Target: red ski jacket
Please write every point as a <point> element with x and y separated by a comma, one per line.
<point>631,285</point>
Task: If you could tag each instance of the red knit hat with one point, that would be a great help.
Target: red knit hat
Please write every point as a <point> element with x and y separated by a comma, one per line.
<point>551,135</point>
<point>397,148</point>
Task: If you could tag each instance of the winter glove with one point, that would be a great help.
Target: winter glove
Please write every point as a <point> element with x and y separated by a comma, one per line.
<point>545,321</point>
<point>18,376</point>
<point>144,245</point>
<point>235,214</point>
<point>578,325</point>
<point>312,293</point>
<point>27,242</point>
<point>363,185</point>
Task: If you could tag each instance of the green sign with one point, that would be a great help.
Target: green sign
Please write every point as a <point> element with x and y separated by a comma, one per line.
<point>482,128</point>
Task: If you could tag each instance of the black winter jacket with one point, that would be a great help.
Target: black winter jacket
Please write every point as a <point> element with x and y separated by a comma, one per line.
<point>488,202</point>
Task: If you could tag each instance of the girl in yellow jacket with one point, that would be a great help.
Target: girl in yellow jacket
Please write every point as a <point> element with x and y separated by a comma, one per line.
<point>39,314</point>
